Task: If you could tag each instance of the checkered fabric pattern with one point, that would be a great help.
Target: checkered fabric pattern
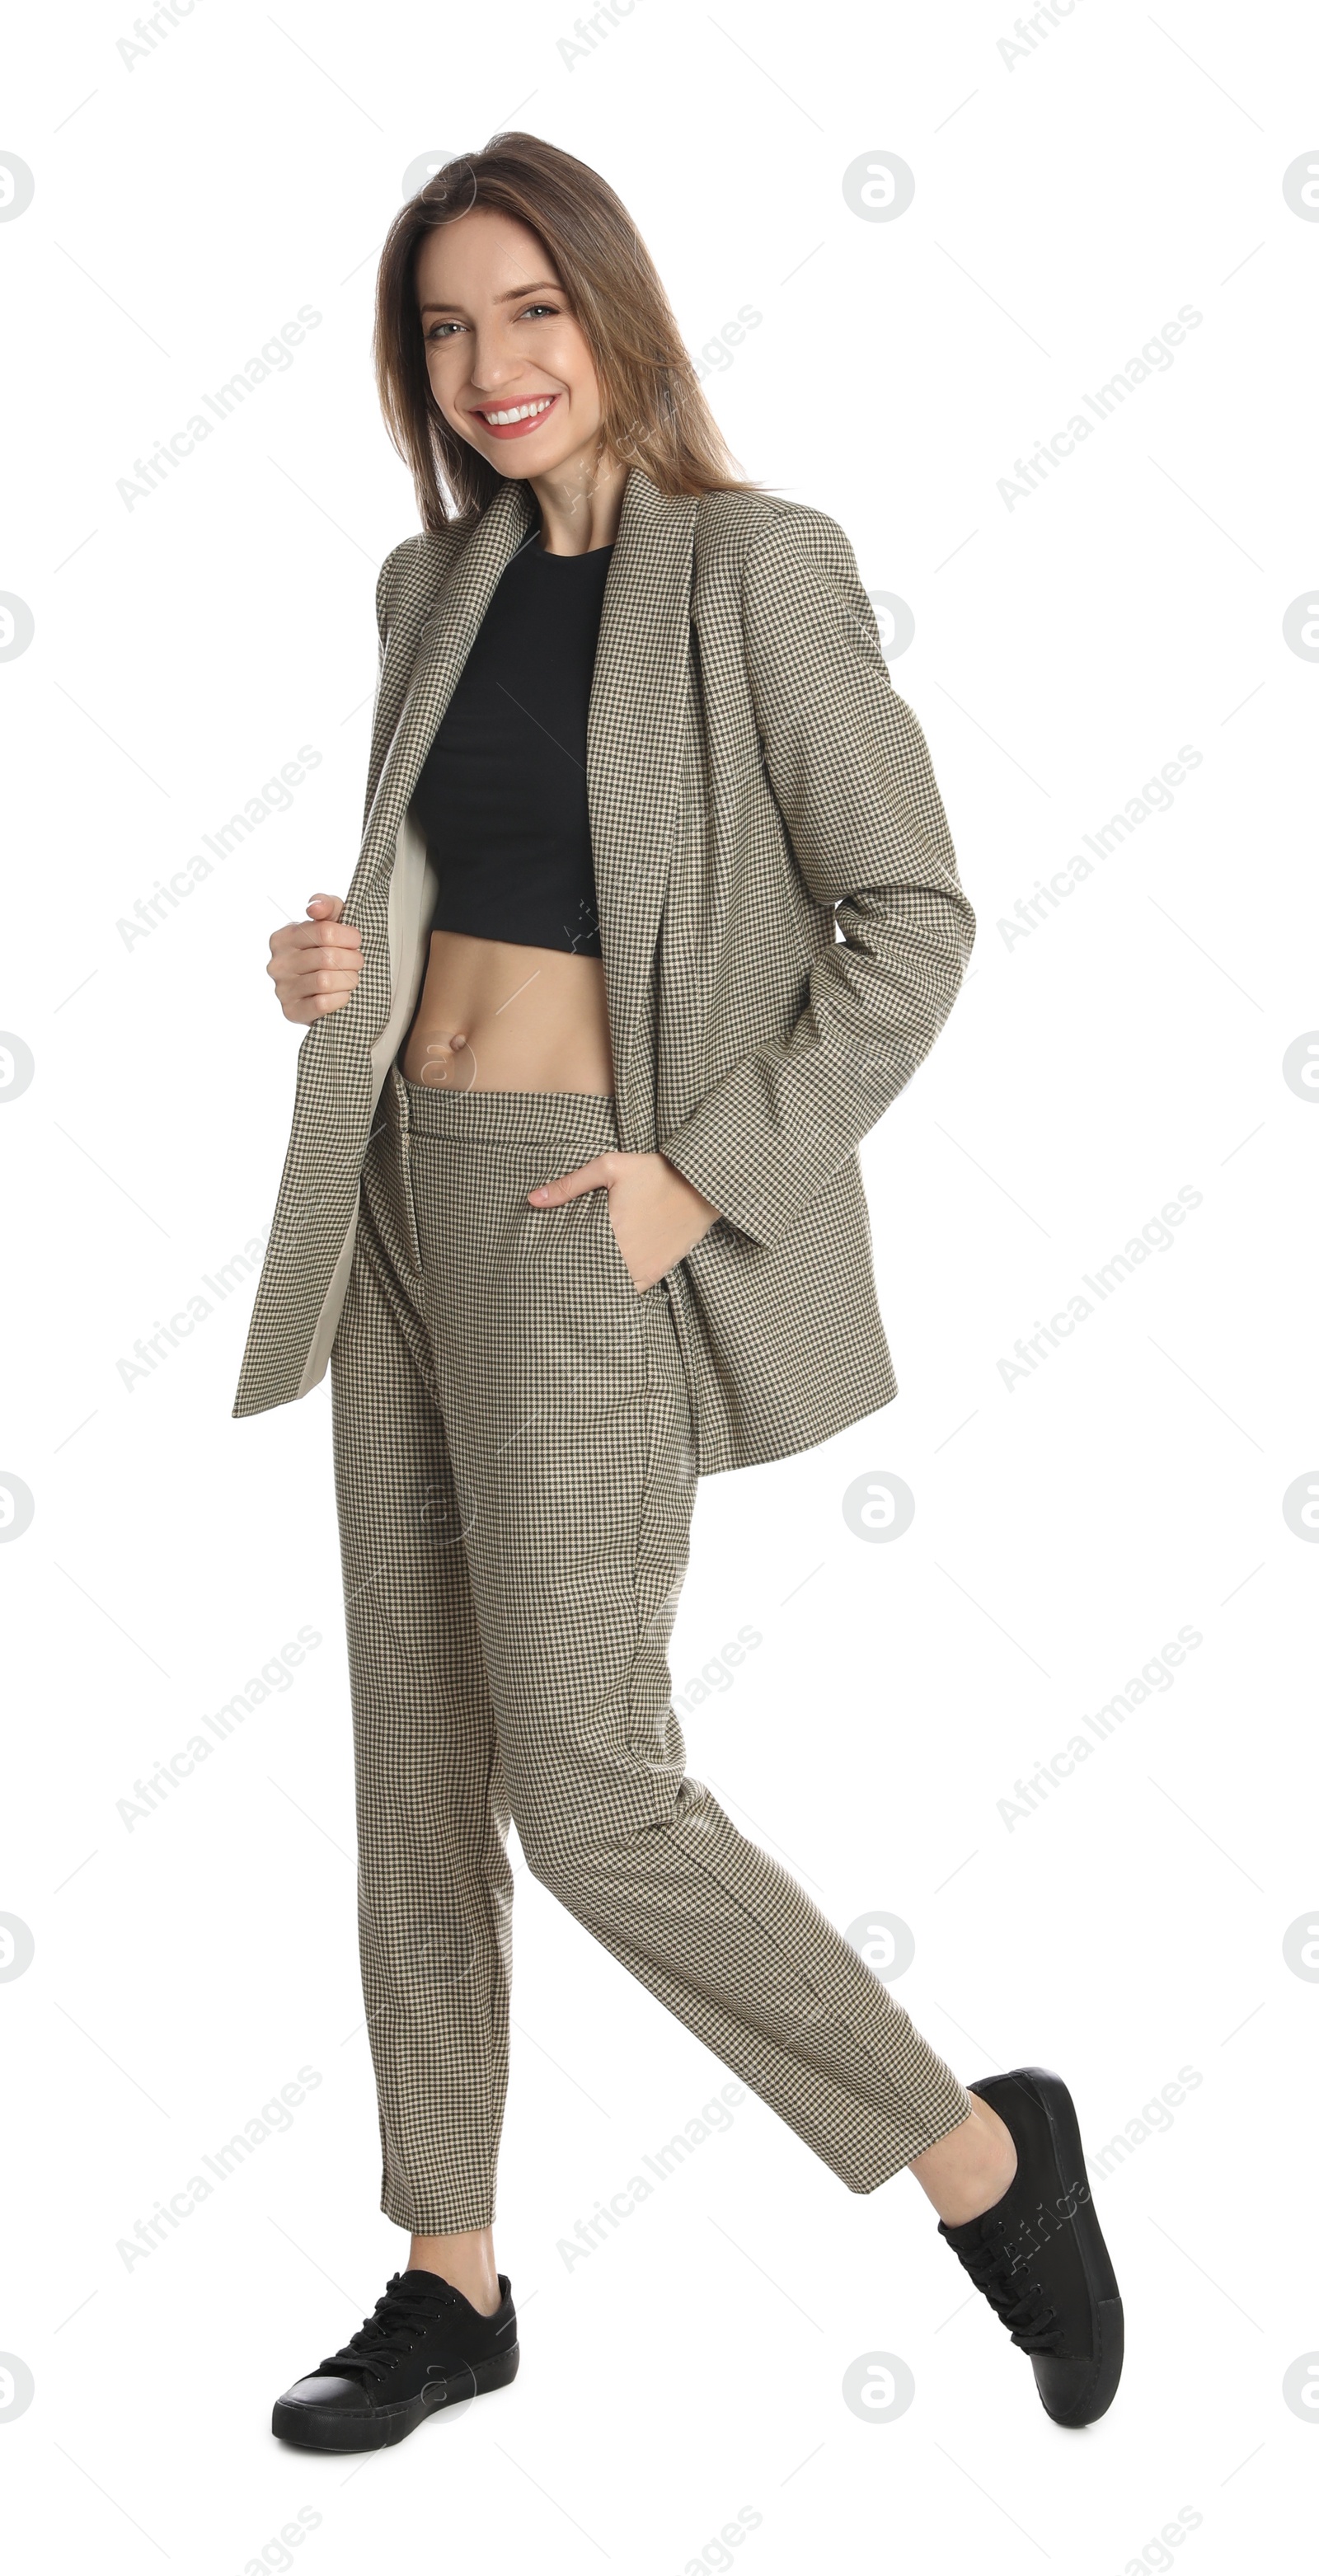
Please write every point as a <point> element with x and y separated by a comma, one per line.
<point>515,1474</point>
<point>783,929</point>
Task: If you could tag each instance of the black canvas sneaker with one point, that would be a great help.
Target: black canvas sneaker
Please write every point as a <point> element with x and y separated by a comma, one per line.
<point>1038,2254</point>
<point>425,2348</point>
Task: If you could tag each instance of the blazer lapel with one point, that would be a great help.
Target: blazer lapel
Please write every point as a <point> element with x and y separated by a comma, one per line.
<point>634,732</point>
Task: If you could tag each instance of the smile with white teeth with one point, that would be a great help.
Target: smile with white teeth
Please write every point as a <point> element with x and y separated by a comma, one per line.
<point>524,411</point>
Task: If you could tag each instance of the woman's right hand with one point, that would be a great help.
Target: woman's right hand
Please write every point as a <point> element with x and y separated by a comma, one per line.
<point>315,963</point>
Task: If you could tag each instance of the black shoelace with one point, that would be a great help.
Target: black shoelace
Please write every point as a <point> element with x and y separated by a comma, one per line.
<point>395,2328</point>
<point>1032,2323</point>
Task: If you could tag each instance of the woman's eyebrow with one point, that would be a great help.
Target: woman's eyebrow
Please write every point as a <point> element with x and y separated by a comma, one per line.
<point>510,298</point>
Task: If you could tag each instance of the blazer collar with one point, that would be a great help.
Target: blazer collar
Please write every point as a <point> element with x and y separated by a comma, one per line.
<point>637,706</point>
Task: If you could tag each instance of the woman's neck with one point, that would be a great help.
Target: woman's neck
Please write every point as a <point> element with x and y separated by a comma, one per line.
<point>580,511</point>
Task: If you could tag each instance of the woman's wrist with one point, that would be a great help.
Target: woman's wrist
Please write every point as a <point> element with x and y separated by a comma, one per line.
<point>690,1193</point>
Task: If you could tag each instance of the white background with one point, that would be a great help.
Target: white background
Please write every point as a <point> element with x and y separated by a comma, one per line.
<point>1131,1045</point>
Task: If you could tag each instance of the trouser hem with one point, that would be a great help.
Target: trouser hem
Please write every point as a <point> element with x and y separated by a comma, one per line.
<point>454,2219</point>
<point>940,2125</point>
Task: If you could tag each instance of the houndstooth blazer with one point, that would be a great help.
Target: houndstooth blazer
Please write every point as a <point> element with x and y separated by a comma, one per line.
<point>782,925</point>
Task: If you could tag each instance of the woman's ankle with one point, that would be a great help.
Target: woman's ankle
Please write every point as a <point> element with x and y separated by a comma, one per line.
<point>965,2172</point>
<point>466,2260</point>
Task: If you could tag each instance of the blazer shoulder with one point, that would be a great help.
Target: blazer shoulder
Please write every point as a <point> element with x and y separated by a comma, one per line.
<point>739,524</point>
<point>414,560</point>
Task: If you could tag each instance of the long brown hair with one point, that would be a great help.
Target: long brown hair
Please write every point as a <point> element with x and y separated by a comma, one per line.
<point>653,412</point>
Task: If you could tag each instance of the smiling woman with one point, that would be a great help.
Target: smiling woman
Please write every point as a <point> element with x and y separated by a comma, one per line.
<point>501,799</point>
<point>599,332</point>
<point>655,913</point>
<point>528,338</point>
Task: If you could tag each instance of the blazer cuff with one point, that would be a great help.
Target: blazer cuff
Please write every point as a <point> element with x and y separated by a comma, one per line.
<point>708,1171</point>
<point>745,1165</point>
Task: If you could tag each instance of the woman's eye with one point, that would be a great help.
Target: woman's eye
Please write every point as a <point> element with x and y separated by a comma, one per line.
<point>441,330</point>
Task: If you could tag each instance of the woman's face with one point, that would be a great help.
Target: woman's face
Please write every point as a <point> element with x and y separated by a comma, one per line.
<point>499,338</point>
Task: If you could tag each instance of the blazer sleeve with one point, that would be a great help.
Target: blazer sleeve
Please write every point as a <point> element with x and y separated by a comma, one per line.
<point>851,775</point>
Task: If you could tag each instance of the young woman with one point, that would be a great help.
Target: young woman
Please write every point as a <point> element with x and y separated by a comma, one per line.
<point>656,911</point>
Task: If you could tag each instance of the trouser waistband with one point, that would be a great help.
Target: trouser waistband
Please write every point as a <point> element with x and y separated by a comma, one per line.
<point>586,1119</point>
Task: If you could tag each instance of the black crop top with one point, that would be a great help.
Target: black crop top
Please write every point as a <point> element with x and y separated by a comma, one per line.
<point>501,799</point>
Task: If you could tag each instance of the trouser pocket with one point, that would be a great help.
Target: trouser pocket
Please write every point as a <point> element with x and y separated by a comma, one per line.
<point>393,1143</point>
<point>619,1259</point>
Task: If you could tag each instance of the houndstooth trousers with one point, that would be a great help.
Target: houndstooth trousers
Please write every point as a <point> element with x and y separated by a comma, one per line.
<point>515,1477</point>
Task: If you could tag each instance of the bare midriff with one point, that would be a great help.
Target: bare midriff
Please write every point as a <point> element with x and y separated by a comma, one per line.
<point>494,1016</point>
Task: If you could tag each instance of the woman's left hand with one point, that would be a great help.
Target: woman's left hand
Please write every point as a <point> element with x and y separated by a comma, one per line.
<point>656,1215</point>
